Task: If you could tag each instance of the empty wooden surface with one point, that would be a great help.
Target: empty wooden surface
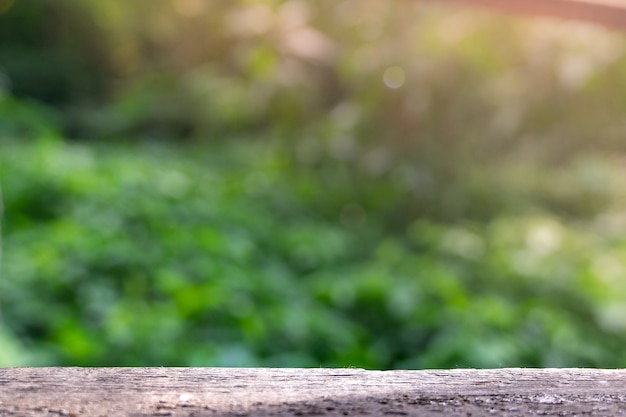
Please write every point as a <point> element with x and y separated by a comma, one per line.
<point>609,13</point>
<point>306,392</point>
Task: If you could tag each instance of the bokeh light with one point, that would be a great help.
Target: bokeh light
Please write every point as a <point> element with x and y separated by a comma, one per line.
<point>394,77</point>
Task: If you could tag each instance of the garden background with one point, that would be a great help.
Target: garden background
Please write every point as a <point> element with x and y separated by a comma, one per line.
<point>396,184</point>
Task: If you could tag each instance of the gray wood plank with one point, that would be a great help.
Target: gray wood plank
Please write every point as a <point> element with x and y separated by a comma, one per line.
<point>203,392</point>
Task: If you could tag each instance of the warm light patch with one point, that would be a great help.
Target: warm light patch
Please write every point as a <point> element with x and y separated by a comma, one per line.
<point>309,43</point>
<point>188,8</point>
<point>294,13</point>
<point>394,77</point>
<point>251,21</point>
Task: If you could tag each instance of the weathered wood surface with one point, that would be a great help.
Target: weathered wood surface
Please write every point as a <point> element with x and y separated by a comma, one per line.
<point>609,13</point>
<point>204,392</point>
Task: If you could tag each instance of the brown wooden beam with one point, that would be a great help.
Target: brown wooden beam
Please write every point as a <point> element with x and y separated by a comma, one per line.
<point>608,13</point>
<point>204,392</point>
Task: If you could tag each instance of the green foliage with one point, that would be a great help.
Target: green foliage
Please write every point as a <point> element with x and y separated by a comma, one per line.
<point>411,185</point>
<point>20,118</point>
<point>232,255</point>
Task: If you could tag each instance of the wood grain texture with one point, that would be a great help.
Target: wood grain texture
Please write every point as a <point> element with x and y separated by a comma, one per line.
<point>608,13</point>
<point>204,392</point>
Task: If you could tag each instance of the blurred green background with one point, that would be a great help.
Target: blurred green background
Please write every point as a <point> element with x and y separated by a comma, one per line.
<point>309,183</point>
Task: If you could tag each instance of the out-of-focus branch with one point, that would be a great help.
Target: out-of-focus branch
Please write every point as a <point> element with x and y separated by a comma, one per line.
<point>609,13</point>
